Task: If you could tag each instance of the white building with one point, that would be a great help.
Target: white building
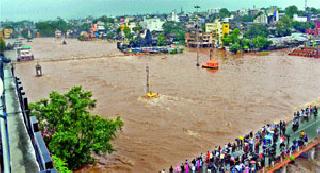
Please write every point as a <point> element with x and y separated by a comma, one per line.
<point>100,26</point>
<point>174,16</point>
<point>262,18</point>
<point>153,24</point>
<point>300,18</point>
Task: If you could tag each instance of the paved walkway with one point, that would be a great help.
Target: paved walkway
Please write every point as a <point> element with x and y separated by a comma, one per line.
<point>22,154</point>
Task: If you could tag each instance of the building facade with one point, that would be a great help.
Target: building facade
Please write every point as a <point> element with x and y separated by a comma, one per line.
<point>153,24</point>
<point>219,30</point>
<point>262,18</point>
<point>201,39</point>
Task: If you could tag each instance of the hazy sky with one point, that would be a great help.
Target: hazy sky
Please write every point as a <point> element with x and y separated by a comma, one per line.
<point>50,9</point>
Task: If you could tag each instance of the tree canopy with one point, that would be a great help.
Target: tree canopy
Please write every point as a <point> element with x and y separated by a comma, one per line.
<point>47,28</point>
<point>127,33</point>
<point>291,10</point>
<point>224,13</point>
<point>161,41</point>
<point>70,130</point>
<point>175,28</point>
<point>283,27</point>
<point>302,26</point>
<point>256,30</point>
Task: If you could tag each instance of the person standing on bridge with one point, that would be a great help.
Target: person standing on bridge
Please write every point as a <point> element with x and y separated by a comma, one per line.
<point>315,111</point>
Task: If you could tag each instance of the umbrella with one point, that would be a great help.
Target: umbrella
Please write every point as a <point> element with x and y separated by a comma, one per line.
<point>241,138</point>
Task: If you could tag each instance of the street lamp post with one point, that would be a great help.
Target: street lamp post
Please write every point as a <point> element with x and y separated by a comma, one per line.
<point>197,33</point>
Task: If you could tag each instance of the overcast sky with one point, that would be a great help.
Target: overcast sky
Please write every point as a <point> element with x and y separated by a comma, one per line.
<point>50,9</point>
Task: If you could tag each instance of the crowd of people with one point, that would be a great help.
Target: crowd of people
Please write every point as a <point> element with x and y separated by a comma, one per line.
<point>252,152</point>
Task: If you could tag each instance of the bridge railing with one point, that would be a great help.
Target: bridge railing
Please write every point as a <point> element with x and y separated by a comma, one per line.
<point>31,123</point>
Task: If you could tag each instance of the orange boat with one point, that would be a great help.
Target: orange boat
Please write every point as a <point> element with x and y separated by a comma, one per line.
<point>211,64</point>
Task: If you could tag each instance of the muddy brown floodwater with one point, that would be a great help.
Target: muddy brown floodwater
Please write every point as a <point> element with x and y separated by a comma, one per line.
<point>197,109</point>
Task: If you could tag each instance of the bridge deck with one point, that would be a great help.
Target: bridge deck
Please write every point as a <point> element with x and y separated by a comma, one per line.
<point>22,154</point>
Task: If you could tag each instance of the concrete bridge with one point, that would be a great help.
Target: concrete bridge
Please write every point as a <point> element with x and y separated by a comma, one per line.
<point>23,149</point>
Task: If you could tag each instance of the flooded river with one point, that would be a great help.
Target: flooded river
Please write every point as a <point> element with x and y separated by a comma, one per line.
<point>197,109</point>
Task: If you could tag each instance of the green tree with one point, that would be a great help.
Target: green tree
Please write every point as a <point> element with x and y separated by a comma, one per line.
<point>2,45</point>
<point>175,29</point>
<point>256,30</point>
<point>232,38</point>
<point>60,24</point>
<point>161,41</point>
<point>24,33</point>
<point>85,27</point>
<point>224,13</point>
<point>70,130</point>
<point>111,35</point>
<point>283,27</point>
<point>60,165</point>
<point>127,33</point>
<point>260,42</point>
<point>291,10</point>
<point>235,47</point>
<point>47,28</point>
<point>313,10</point>
<point>302,26</point>
<point>138,28</point>
<point>246,18</point>
<point>246,43</point>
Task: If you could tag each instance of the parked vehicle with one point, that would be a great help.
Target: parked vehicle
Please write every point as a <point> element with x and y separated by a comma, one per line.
<point>24,54</point>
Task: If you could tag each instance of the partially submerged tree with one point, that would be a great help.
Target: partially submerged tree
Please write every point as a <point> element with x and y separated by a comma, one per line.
<point>71,131</point>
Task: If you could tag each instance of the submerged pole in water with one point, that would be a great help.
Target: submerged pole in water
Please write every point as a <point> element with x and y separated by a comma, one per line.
<point>197,34</point>
<point>147,82</point>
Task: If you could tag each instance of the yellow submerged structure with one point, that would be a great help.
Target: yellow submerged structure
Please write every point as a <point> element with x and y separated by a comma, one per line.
<point>149,94</point>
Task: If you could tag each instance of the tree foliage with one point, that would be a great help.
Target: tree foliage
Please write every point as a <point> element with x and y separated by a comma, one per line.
<point>260,42</point>
<point>104,19</point>
<point>291,10</point>
<point>137,28</point>
<point>224,13</point>
<point>47,28</point>
<point>283,27</point>
<point>302,26</point>
<point>235,47</point>
<point>176,29</point>
<point>256,30</point>
<point>60,165</point>
<point>70,130</point>
<point>232,38</point>
<point>247,18</point>
<point>161,41</point>
<point>251,41</point>
<point>110,35</point>
<point>127,33</point>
